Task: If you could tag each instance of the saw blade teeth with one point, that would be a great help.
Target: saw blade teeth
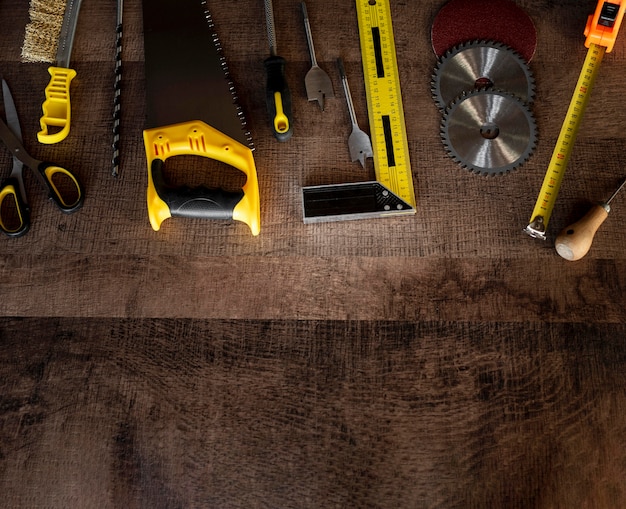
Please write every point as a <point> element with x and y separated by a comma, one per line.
<point>226,71</point>
<point>481,64</point>
<point>224,66</point>
<point>244,126</point>
<point>209,19</point>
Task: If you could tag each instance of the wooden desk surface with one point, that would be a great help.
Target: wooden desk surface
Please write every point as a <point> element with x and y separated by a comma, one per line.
<point>440,360</point>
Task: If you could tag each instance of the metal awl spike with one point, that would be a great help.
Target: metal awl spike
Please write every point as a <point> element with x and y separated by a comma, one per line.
<point>615,193</point>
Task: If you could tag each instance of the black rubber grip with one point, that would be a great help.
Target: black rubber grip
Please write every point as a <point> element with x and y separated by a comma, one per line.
<point>276,82</point>
<point>198,202</point>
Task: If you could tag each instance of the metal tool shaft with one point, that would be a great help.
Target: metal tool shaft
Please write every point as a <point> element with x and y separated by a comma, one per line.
<point>117,90</point>
<point>309,36</point>
<point>346,89</point>
<point>68,29</point>
<point>271,30</point>
<point>608,202</point>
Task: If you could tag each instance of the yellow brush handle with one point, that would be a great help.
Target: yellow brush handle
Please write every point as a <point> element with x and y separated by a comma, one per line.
<point>199,139</point>
<point>56,108</point>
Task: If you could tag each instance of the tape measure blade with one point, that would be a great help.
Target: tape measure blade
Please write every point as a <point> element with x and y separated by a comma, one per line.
<point>384,98</point>
<point>565,142</point>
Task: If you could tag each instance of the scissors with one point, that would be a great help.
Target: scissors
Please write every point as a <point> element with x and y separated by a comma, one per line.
<point>63,187</point>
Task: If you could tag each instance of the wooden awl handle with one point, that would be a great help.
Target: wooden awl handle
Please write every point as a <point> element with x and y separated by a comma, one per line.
<point>575,241</point>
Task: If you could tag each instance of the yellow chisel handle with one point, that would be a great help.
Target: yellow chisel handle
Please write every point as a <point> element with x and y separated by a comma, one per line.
<point>56,108</point>
<point>199,139</point>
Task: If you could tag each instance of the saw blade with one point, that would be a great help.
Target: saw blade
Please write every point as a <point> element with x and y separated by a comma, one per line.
<point>186,74</point>
<point>489,132</point>
<point>481,64</point>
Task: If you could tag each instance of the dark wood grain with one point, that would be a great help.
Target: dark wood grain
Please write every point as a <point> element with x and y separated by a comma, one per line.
<point>442,360</point>
<point>215,413</point>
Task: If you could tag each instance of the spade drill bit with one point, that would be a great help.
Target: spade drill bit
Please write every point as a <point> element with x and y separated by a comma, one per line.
<point>359,143</point>
<point>318,85</point>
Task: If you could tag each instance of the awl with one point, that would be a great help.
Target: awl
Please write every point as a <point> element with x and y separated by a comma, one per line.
<point>575,241</point>
<point>56,107</point>
<point>192,111</point>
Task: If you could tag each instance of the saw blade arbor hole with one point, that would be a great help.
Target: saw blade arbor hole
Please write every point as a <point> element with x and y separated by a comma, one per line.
<point>489,131</point>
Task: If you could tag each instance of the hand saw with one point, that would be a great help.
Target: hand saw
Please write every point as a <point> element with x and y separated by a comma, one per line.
<point>191,110</point>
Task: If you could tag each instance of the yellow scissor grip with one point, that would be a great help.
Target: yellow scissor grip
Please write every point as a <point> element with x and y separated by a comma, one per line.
<point>65,186</point>
<point>604,24</point>
<point>56,108</point>
<point>17,222</point>
<point>198,138</point>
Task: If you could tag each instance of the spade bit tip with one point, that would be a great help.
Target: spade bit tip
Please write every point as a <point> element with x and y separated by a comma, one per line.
<point>318,86</point>
<point>360,147</point>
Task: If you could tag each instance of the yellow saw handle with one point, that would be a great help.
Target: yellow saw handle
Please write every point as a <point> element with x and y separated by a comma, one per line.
<point>56,108</point>
<point>199,139</point>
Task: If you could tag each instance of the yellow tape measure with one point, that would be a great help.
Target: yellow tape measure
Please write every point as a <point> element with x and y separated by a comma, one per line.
<point>384,99</point>
<point>565,143</point>
<point>601,31</point>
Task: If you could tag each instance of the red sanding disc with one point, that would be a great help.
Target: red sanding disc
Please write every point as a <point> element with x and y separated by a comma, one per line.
<point>502,21</point>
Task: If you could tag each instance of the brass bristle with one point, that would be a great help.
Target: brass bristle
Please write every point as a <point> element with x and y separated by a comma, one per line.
<point>42,31</point>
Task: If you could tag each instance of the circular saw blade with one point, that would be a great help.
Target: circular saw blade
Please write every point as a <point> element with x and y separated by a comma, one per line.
<point>489,132</point>
<point>481,64</point>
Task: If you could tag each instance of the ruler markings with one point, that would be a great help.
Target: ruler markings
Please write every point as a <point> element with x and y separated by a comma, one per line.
<point>382,85</point>
<point>565,142</point>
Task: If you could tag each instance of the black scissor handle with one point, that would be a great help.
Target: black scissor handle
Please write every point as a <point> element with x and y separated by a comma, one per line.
<point>14,213</point>
<point>63,187</point>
